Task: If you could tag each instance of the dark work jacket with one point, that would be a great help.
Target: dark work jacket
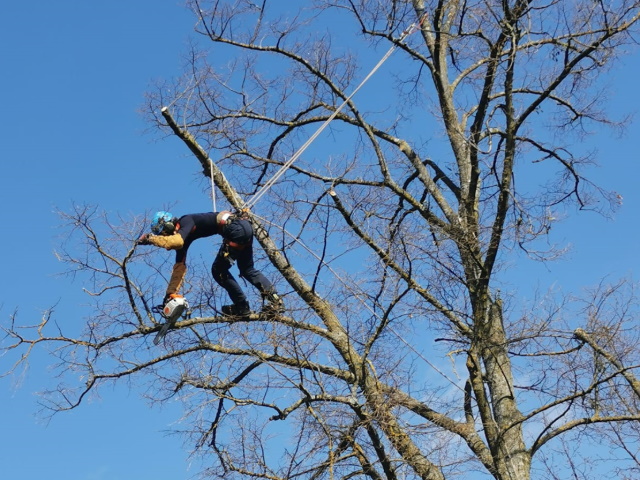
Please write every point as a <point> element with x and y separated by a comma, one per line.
<point>194,226</point>
<point>237,233</point>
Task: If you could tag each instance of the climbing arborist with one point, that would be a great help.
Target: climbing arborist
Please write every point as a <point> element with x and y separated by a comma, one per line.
<point>178,233</point>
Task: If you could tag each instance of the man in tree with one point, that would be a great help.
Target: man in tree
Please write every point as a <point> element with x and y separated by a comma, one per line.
<point>179,233</point>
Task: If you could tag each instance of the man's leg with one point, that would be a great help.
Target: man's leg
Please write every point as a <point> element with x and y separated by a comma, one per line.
<point>220,271</point>
<point>256,278</point>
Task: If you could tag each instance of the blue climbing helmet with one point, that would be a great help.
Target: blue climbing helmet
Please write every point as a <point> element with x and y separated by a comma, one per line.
<point>162,223</point>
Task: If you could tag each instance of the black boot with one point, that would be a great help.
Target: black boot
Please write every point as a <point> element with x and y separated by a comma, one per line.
<point>241,309</point>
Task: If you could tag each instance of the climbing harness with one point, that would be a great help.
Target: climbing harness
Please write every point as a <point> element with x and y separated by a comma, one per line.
<point>252,201</point>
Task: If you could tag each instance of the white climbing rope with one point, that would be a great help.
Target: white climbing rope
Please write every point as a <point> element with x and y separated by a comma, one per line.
<point>213,187</point>
<point>252,201</point>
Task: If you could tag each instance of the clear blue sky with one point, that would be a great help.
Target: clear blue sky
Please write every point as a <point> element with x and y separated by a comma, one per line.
<point>73,76</point>
<point>74,73</point>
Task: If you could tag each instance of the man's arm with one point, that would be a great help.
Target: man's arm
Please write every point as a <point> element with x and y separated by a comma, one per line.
<point>175,282</point>
<point>170,242</point>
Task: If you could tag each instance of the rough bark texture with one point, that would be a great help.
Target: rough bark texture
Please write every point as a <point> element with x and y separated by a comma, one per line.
<point>396,356</point>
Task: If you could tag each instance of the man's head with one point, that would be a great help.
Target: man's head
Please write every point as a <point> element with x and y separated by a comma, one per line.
<point>163,223</point>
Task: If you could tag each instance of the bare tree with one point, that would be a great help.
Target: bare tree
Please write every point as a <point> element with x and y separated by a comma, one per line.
<point>402,353</point>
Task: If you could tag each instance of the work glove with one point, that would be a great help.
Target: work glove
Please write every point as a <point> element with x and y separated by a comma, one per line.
<point>168,297</point>
<point>144,239</point>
